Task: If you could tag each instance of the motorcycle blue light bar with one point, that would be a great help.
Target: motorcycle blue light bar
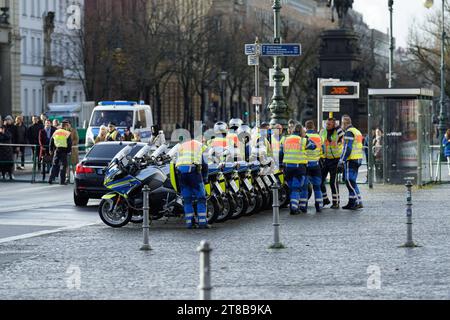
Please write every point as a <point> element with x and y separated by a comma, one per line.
<point>117,103</point>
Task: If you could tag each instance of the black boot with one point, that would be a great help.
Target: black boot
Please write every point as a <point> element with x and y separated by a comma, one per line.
<point>318,207</point>
<point>326,202</point>
<point>350,206</point>
<point>335,205</point>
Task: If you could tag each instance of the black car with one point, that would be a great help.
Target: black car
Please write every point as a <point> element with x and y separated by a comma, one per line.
<point>89,173</point>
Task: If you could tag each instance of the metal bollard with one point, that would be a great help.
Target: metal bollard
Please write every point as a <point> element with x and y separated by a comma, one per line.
<point>409,238</point>
<point>276,219</point>
<point>205,271</point>
<point>146,223</point>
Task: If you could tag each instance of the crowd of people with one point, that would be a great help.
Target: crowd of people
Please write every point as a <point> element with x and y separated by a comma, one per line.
<point>15,136</point>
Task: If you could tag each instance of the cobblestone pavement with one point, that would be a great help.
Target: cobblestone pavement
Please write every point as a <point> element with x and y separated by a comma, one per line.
<point>331,255</point>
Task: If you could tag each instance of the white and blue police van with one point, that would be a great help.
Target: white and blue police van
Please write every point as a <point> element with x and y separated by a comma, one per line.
<point>124,114</point>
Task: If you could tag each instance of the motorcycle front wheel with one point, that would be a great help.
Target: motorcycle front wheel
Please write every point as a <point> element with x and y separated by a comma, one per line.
<point>241,206</point>
<point>115,216</point>
<point>252,203</point>
<point>212,206</point>
<point>226,212</point>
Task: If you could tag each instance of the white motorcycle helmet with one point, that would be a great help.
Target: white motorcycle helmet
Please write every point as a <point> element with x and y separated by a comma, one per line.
<point>220,128</point>
<point>235,123</point>
<point>244,129</point>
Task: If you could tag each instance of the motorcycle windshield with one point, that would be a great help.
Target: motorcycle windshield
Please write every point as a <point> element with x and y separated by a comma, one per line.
<point>123,153</point>
<point>144,151</point>
<point>161,150</point>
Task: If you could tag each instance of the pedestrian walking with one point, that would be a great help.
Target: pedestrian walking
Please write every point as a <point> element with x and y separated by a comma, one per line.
<point>33,138</point>
<point>294,158</point>
<point>350,162</point>
<point>113,134</point>
<point>377,151</point>
<point>20,137</point>
<point>332,142</point>
<point>60,148</point>
<point>6,153</point>
<point>74,156</point>
<point>313,171</point>
<point>446,143</point>
<point>45,136</point>
<point>192,169</point>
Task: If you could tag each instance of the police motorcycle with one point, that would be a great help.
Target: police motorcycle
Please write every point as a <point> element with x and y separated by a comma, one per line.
<point>126,177</point>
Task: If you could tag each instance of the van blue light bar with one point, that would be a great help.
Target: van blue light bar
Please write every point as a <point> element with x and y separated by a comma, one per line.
<point>117,103</point>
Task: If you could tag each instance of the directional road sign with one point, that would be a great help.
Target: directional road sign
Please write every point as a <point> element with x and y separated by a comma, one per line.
<point>277,50</point>
<point>331,105</point>
<point>253,60</point>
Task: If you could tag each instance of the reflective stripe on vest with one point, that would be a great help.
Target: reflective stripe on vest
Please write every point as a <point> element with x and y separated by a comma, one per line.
<point>357,147</point>
<point>316,154</point>
<point>112,135</point>
<point>294,148</point>
<point>333,149</point>
<point>60,138</point>
<point>190,153</point>
<point>233,138</point>
<point>219,143</point>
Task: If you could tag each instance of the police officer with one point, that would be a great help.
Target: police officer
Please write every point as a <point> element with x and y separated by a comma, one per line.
<point>350,161</point>
<point>60,148</point>
<point>332,141</point>
<point>313,172</point>
<point>294,158</point>
<point>113,134</point>
<point>219,143</point>
<point>193,174</point>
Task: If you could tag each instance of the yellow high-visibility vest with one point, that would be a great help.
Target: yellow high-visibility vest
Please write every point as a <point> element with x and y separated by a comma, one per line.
<point>190,153</point>
<point>357,147</point>
<point>333,149</point>
<point>294,148</point>
<point>316,154</point>
<point>112,135</point>
<point>60,138</point>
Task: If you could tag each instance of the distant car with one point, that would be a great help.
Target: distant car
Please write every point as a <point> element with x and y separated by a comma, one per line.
<point>89,173</point>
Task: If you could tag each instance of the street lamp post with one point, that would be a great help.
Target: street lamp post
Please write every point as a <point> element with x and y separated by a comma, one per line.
<point>391,43</point>
<point>278,106</point>
<point>44,94</point>
<point>442,113</point>
<point>223,78</point>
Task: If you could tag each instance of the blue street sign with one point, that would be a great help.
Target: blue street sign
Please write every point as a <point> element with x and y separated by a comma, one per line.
<point>285,49</point>
<point>250,49</point>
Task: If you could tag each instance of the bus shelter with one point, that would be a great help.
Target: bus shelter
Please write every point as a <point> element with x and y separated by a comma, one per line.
<point>401,134</point>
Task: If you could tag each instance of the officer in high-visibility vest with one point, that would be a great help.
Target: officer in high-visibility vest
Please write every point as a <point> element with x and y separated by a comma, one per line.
<point>219,144</point>
<point>332,142</point>
<point>313,171</point>
<point>60,148</point>
<point>113,134</point>
<point>350,161</point>
<point>233,138</point>
<point>192,169</point>
<point>294,158</point>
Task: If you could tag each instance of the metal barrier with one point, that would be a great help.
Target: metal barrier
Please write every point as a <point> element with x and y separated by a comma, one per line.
<point>32,158</point>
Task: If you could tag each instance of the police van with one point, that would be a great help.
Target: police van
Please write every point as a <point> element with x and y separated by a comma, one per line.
<point>124,114</point>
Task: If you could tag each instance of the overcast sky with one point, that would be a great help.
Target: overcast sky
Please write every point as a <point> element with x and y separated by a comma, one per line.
<point>376,15</point>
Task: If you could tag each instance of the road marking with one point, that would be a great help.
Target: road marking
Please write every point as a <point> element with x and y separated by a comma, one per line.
<point>48,204</point>
<point>45,232</point>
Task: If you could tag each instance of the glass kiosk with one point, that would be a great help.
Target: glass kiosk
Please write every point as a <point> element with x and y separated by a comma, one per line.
<point>400,132</point>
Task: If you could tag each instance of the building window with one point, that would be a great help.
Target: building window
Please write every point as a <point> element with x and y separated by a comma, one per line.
<point>40,97</point>
<point>24,50</point>
<point>61,97</point>
<point>33,51</point>
<point>32,8</point>
<point>25,101</point>
<point>46,6</point>
<point>34,101</point>
<point>24,7</point>
<point>39,52</point>
<point>39,13</point>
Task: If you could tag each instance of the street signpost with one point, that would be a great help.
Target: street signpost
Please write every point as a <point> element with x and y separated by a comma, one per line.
<point>330,105</point>
<point>256,50</point>
<point>257,101</point>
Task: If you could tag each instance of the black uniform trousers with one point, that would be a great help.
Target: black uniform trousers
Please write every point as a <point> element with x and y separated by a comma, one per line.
<point>60,158</point>
<point>330,166</point>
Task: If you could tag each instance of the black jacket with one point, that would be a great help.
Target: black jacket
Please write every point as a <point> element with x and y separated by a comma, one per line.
<point>6,152</point>
<point>19,134</point>
<point>33,133</point>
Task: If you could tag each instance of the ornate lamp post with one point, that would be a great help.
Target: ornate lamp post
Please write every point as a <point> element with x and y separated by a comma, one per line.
<point>391,43</point>
<point>442,113</point>
<point>278,106</point>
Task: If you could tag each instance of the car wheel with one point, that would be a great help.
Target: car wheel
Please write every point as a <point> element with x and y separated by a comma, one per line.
<point>80,201</point>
